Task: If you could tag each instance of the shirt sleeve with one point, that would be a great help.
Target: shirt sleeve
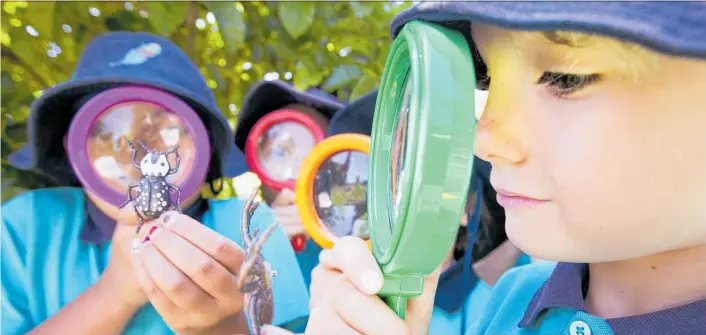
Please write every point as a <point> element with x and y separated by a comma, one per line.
<point>16,316</point>
<point>291,296</point>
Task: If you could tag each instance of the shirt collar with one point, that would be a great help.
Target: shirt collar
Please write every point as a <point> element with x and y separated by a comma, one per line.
<point>98,227</point>
<point>564,288</point>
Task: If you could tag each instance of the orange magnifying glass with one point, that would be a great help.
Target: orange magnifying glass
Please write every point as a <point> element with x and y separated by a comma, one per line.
<point>332,187</point>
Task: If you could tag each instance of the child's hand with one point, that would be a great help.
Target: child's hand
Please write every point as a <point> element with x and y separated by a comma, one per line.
<point>287,213</point>
<point>343,299</point>
<point>188,272</point>
<point>119,278</point>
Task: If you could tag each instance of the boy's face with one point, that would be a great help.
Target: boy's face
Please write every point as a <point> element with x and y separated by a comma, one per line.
<point>269,147</point>
<point>617,156</point>
<point>158,129</point>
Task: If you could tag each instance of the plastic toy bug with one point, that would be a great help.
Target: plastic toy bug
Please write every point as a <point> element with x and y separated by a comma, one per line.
<point>153,196</point>
<point>255,276</point>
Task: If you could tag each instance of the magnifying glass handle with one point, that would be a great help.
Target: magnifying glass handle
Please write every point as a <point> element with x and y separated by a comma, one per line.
<point>397,288</point>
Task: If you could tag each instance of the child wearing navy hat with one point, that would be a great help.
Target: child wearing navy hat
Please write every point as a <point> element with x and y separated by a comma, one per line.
<point>71,263</point>
<point>594,130</point>
<point>262,100</point>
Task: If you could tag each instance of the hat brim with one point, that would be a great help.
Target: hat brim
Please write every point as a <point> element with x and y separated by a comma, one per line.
<point>267,96</point>
<point>356,117</point>
<point>676,28</point>
<point>49,120</point>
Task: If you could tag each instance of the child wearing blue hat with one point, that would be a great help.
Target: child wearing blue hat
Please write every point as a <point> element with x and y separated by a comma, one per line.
<point>71,263</point>
<point>594,130</point>
<point>262,100</point>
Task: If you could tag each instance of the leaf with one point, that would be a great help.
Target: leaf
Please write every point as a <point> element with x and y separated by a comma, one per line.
<point>40,15</point>
<point>361,9</point>
<point>296,17</point>
<point>306,75</point>
<point>166,17</point>
<point>363,86</point>
<point>231,24</point>
<point>341,76</point>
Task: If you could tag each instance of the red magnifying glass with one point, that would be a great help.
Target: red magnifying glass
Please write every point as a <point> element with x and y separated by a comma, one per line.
<point>276,147</point>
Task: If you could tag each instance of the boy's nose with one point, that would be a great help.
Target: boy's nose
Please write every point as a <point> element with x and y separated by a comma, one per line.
<point>496,140</point>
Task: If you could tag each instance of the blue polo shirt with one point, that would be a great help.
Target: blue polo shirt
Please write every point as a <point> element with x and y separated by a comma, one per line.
<point>308,259</point>
<point>461,299</point>
<point>54,247</point>
<point>547,298</point>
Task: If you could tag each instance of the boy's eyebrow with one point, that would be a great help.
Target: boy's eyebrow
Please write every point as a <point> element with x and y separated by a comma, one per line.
<point>570,39</point>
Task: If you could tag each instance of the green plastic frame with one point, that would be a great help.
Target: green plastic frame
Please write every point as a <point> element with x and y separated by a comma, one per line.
<point>438,65</point>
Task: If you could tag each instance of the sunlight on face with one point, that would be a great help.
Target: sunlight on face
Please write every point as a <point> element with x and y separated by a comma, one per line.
<point>613,137</point>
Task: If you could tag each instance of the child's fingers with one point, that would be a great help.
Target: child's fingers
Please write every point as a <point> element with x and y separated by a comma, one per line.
<point>156,296</point>
<point>274,330</point>
<point>368,314</point>
<point>351,256</point>
<point>220,248</point>
<point>324,321</point>
<point>179,292</point>
<point>205,271</point>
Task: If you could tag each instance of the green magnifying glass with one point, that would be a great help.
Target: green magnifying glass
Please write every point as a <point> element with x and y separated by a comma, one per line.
<point>421,156</point>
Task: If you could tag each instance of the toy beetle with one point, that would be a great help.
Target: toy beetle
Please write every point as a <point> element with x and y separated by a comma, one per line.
<point>153,196</point>
<point>255,276</point>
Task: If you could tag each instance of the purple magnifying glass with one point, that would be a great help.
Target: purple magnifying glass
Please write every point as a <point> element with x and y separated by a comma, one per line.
<point>140,144</point>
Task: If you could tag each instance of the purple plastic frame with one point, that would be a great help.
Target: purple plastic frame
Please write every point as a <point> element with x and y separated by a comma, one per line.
<point>87,115</point>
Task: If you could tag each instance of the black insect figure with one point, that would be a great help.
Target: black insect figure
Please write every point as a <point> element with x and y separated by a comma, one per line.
<point>255,276</point>
<point>153,196</point>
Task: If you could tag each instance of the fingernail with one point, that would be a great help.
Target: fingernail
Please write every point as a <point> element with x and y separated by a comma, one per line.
<point>136,245</point>
<point>153,232</point>
<point>146,239</point>
<point>168,218</point>
<point>371,281</point>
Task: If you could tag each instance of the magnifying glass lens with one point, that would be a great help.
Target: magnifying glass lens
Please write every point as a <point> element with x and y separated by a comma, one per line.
<point>340,194</point>
<point>399,148</point>
<point>282,148</point>
<point>139,122</point>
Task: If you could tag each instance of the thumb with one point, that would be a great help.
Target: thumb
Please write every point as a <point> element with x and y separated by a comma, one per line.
<point>274,330</point>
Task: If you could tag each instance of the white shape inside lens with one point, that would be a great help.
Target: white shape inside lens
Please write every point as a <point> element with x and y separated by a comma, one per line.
<point>170,136</point>
<point>108,167</point>
<point>325,200</point>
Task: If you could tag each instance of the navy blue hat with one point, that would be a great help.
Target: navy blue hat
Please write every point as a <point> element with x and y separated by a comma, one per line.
<point>675,28</point>
<point>270,95</point>
<point>356,117</point>
<point>116,59</point>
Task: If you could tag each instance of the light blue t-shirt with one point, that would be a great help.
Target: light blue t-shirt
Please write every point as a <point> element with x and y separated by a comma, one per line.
<point>45,265</point>
<point>459,321</point>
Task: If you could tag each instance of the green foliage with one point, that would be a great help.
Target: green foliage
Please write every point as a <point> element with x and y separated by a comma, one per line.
<point>338,46</point>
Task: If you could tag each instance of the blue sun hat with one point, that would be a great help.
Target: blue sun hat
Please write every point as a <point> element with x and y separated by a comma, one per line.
<point>675,28</point>
<point>116,59</point>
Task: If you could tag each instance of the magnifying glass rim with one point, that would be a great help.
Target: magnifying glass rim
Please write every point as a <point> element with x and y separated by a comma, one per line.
<point>435,188</point>
<point>305,199</point>
<point>259,129</point>
<point>79,133</point>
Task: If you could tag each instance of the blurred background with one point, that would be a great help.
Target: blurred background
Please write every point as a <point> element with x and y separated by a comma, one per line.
<point>339,47</point>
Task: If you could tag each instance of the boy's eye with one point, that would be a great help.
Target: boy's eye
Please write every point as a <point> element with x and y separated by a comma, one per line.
<point>563,84</point>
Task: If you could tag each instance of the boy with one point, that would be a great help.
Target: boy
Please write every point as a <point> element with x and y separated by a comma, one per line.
<point>594,128</point>
<point>66,251</point>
